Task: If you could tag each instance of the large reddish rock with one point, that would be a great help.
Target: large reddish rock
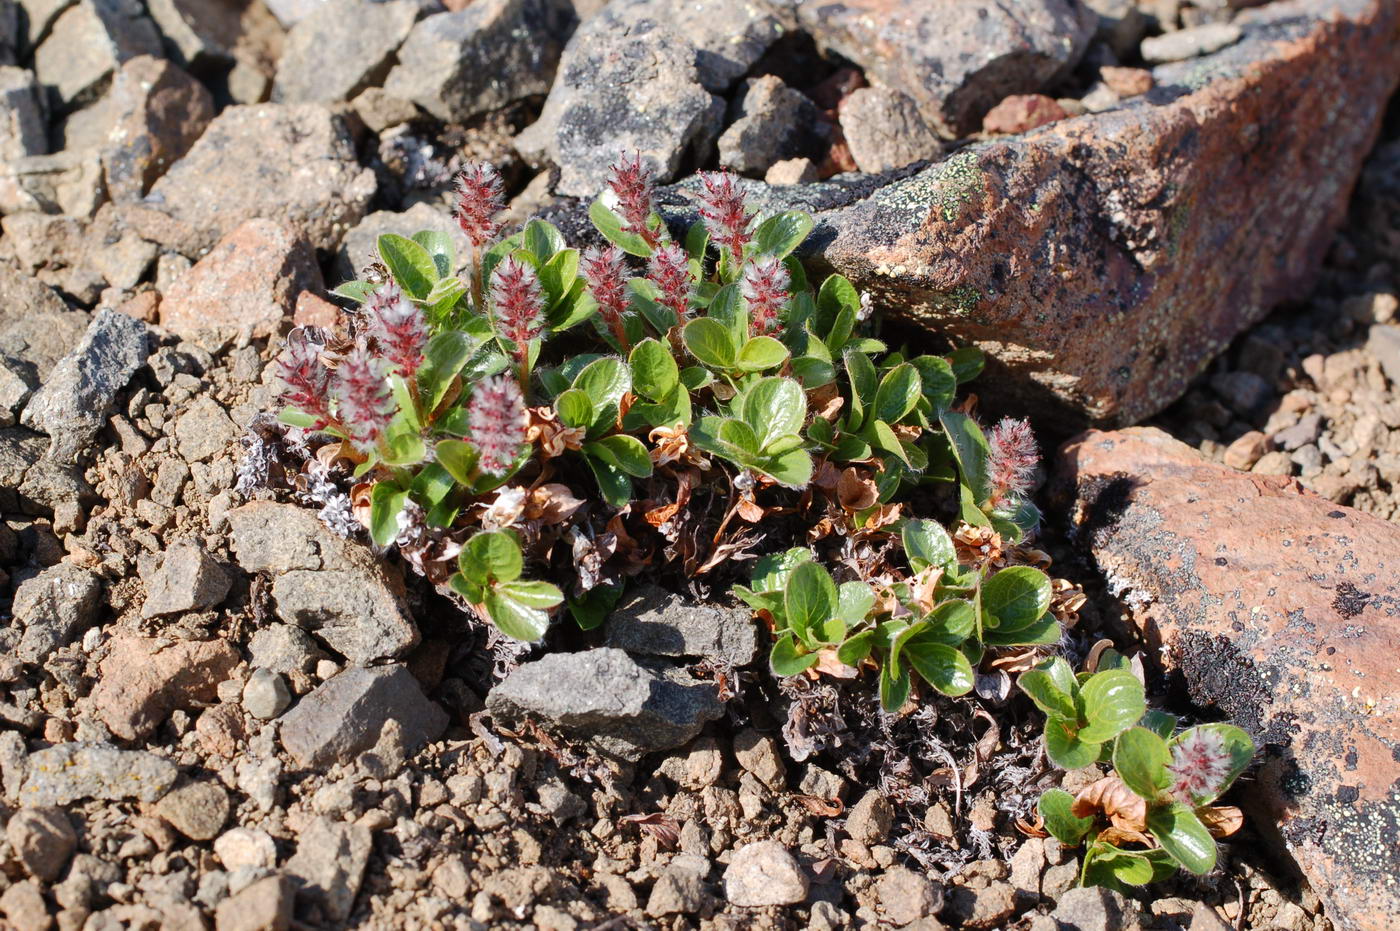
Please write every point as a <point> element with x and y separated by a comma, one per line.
<point>249,281</point>
<point>143,679</point>
<point>1279,610</point>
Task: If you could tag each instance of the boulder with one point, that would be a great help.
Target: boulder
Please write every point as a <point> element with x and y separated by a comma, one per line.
<point>334,588</point>
<point>293,163</point>
<point>1279,611</point>
<point>364,37</point>
<point>456,65</point>
<point>604,696</point>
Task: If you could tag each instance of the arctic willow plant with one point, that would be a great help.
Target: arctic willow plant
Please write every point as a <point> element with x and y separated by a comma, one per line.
<point>1155,812</point>
<point>484,406</point>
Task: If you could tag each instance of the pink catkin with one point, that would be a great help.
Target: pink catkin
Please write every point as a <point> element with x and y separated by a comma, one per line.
<point>479,198</point>
<point>606,276</point>
<point>631,181</point>
<point>722,209</point>
<point>498,420</point>
<point>1199,767</point>
<point>764,287</point>
<point>364,404</point>
<point>305,381</point>
<point>515,293</point>
<point>669,270</point>
<point>398,327</point>
<point>1012,455</point>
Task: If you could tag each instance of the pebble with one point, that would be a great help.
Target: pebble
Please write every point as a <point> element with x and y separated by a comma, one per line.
<point>265,905</point>
<point>762,874</point>
<point>265,695</point>
<point>759,755</point>
<point>197,810</point>
<point>870,819</point>
<point>67,772</point>
<point>237,848</point>
<point>43,840</point>
<point>1189,43</point>
<point>906,896</point>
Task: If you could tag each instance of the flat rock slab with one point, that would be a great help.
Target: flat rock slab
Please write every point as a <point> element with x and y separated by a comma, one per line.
<point>344,715</point>
<point>655,622</point>
<point>68,772</point>
<point>1281,611</point>
<point>625,709</point>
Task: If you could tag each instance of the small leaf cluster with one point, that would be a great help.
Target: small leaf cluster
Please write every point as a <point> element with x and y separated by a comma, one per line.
<point>935,625</point>
<point>1159,801</point>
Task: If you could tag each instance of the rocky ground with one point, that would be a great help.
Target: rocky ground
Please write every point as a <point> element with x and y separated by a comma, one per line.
<point>216,711</point>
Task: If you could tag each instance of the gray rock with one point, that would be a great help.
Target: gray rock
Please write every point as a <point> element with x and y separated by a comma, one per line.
<point>291,12</point>
<point>73,404</point>
<point>957,60</point>
<point>284,649</point>
<point>65,182</point>
<point>22,128</point>
<point>40,16</point>
<point>329,865</point>
<point>18,382</point>
<point>67,772</point>
<point>1305,431</point>
<point>906,896</point>
<point>43,840</point>
<point>204,430</point>
<point>265,695</point>
<point>655,622</point>
<point>344,715</point>
<point>157,113</point>
<point>884,130</point>
<point>88,42</point>
<point>197,810</point>
<point>36,326</point>
<point>263,905</point>
<point>1190,43</point>
<point>9,32</point>
<point>870,819</point>
<point>188,579</point>
<point>294,164</point>
<point>624,708</point>
<point>759,755</point>
<point>1243,392</point>
<point>1383,342</point>
<point>680,890</point>
<point>1089,909</point>
<point>364,37</point>
<point>1120,25</point>
<point>619,93</point>
<point>56,607</point>
<point>34,484</point>
<point>336,589</point>
<point>764,874</point>
<point>202,34</point>
<point>770,122</point>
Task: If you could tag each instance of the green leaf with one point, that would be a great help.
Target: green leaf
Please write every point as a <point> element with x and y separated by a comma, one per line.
<point>1160,723</point>
<point>654,371</point>
<point>1234,741</point>
<point>781,233</point>
<point>697,240</point>
<point>894,688</point>
<point>1064,747</point>
<point>1140,757</point>
<point>439,246</point>
<point>786,657</point>
<point>609,224</point>
<point>625,452</point>
<point>411,265</point>
<point>970,449</point>
<point>491,556</point>
<point>792,469</point>
<point>1055,810</point>
<point>557,277</point>
<point>729,309</point>
<point>593,607</point>
<point>614,483</point>
<point>543,240</point>
<point>385,503</point>
<point>295,418</point>
<point>740,437</point>
<point>514,618</point>
<point>856,648</point>
<point>1107,865</point>
<point>1114,701</point>
<point>941,666</point>
<point>458,458</point>
<point>445,356</point>
<point>854,601</point>
<point>605,381</point>
<point>1182,835</point>
<point>1017,596</point>
<point>1044,632</point>
<point>837,294</point>
<point>709,342</point>
<point>1048,697</point>
<point>899,391</point>
<point>772,573</point>
<point>574,408</point>
<point>811,598</point>
<point>762,353</point>
<point>357,291</point>
<point>937,381</point>
<point>774,407</point>
<point>532,594</point>
<point>967,363</point>
<point>813,372</point>
<point>926,543</point>
<point>864,384</point>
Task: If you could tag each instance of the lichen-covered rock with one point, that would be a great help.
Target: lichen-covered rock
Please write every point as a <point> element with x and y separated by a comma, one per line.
<point>294,164</point>
<point>68,772</point>
<point>1277,610</point>
<point>362,37</point>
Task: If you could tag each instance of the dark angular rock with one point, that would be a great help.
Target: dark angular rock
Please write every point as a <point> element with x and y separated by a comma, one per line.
<point>158,112</point>
<point>22,128</point>
<point>655,622</point>
<point>769,122</point>
<point>344,715</point>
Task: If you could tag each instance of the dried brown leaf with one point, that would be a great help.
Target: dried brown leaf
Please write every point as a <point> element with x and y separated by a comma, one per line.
<point>1108,796</point>
<point>659,825</point>
<point>856,491</point>
<point>822,807</point>
<point>1221,820</point>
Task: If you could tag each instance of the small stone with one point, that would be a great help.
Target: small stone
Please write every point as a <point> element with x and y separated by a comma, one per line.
<point>265,696</point>
<point>870,819</point>
<point>143,679</point>
<point>87,43</point>
<point>364,37</point>
<point>792,171</point>
<point>23,904</point>
<point>655,622</point>
<point>1189,43</point>
<point>1089,909</point>
<point>1126,82</point>
<point>381,110</point>
<point>239,848</point>
<point>763,874</point>
<point>1026,867</point>
<point>1247,450</point>
<point>345,715</point>
<point>1021,113</point>
<point>67,772</point>
<point>43,840</point>
<point>249,282</point>
<point>1057,880</point>
<point>56,607</point>
<point>759,755</point>
<point>330,864</point>
<point>265,905</point>
<point>22,125</point>
<point>197,810</point>
<point>906,896</point>
<point>769,122</point>
<point>73,404</point>
<point>1274,463</point>
<point>884,130</point>
<point>284,649</point>
<point>1244,392</point>
<point>983,908</point>
<point>188,580</point>
<point>680,890</point>
<point>1305,431</point>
